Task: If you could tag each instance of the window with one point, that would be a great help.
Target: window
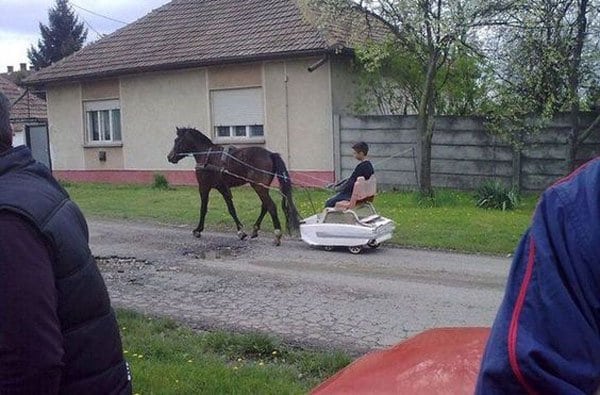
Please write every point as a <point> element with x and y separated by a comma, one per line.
<point>103,121</point>
<point>238,114</point>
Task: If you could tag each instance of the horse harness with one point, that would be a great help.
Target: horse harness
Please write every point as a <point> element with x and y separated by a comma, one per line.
<point>220,166</point>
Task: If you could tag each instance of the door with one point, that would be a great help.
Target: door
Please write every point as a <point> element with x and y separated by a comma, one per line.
<point>38,142</point>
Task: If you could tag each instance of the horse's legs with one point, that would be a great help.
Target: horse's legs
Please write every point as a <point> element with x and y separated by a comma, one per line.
<point>203,209</point>
<point>256,227</point>
<point>226,192</point>
<point>267,202</point>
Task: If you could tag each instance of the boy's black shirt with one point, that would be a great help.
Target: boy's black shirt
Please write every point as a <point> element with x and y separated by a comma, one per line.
<point>363,169</point>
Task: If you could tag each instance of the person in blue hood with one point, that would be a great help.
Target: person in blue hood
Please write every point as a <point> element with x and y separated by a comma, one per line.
<point>58,332</point>
<point>546,335</point>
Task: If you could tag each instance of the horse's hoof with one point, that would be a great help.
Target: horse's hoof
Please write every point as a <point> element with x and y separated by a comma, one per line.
<point>254,234</point>
<point>242,235</point>
<point>197,234</point>
<point>277,237</point>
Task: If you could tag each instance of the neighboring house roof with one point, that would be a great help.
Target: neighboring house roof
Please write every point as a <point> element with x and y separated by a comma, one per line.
<point>193,33</point>
<point>28,106</point>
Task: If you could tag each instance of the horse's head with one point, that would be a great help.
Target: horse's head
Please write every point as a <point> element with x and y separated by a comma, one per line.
<point>188,141</point>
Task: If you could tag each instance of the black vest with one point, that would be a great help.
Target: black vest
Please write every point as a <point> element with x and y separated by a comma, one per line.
<point>93,359</point>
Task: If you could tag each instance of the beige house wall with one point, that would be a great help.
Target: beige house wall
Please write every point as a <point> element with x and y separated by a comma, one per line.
<point>65,124</point>
<point>152,107</point>
<point>343,86</point>
<point>100,90</point>
<point>298,109</point>
<point>309,116</point>
<point>276,128</point>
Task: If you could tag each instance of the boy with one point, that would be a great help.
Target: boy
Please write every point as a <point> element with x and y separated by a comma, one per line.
<point>363,169</point>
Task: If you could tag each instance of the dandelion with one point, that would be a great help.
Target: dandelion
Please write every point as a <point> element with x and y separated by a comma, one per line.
<point>235,368</point>
<point>190,360</point>
<point>140,356</point>
<point>123,328</point>
<point>125,352</point>
<point>135,355</point>
<point>261,364</point>
<point>240,360</point>
<point>274,353</point>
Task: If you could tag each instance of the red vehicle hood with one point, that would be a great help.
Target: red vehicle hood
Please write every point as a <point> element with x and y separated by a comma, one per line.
<point>437,361</point>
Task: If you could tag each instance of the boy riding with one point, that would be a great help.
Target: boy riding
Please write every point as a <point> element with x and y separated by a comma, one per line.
<point>363,169</point>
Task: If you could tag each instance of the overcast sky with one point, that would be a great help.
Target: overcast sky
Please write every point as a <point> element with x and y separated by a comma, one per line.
<point>19,20</point>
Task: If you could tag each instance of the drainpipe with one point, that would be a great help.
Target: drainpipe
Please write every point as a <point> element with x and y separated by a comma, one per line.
<point>318,64</point>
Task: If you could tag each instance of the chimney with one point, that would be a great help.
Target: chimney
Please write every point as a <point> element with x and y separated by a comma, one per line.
<point>23,66</point>
<point>10,69</point>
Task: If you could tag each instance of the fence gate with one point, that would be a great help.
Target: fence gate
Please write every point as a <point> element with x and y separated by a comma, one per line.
<point>39,143</point>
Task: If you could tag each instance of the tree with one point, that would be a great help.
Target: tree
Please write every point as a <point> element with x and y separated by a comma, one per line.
<point>545,62</point>
<point>433,32</point>
<point>390,81</point>
<point>63,36</point>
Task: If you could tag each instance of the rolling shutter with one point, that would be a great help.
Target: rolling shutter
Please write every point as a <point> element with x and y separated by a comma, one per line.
<point>237,107</point>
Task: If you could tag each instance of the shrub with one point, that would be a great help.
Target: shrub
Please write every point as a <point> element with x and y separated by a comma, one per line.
<point>160,182</point>
<point>495,195</point>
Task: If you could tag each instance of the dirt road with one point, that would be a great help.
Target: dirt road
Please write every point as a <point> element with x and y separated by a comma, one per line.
<point>306,296</point>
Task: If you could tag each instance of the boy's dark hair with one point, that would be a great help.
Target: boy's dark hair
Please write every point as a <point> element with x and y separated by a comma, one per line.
<point>5,129</point>
<point>361,147</point>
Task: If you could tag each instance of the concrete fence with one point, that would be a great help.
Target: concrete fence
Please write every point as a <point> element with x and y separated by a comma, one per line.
<point>464,154</point>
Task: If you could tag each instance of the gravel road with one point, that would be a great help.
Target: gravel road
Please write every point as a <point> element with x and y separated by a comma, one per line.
<point>304,295</point>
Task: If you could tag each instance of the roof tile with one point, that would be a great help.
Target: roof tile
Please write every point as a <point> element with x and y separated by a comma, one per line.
<point>195,32</point>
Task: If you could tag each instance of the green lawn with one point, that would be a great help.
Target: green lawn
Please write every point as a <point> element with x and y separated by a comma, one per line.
<point>167,359</point>
<point>452,222</point>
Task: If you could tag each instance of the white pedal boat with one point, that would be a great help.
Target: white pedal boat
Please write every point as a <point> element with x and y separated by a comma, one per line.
<point>353,224</point>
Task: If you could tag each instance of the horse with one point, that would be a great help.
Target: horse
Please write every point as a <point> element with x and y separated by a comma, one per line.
<point>223,168</point>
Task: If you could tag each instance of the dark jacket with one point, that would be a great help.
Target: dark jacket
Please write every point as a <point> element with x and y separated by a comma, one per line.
<point>546,336</point>
<point>93,359</point>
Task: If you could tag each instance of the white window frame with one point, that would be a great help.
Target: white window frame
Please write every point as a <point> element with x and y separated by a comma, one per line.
<point>233,124</point>
<point>99,106</point>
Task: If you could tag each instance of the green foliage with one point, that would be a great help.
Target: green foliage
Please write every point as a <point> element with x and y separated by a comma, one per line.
<point>167,358</point>
<point>452,222</point>
<point>533,70</point>
<point>492,194</point>
<point>160,182</point>
<point>391,79</point>
<point>63,36</point>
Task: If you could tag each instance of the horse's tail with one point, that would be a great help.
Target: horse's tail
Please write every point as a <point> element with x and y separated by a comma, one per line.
<point>285,186</point>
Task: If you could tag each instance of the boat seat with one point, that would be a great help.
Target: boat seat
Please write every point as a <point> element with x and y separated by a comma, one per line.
<point>363,191</point>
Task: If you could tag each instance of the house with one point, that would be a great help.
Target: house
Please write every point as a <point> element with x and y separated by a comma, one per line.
<point>28,119</point>
<point>246,72</point>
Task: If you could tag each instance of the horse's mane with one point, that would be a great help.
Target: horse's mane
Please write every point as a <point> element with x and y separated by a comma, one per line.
<point>195,134</point>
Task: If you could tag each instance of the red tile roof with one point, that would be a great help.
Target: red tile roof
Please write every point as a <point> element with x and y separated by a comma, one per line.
<point>28,105</point>
<point>192,33</point>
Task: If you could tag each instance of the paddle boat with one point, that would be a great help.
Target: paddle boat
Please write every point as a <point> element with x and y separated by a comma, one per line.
<point>353,224</point>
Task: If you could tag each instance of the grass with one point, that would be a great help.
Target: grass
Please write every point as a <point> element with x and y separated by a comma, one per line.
<point>450,221</point>
<point>167,359</point>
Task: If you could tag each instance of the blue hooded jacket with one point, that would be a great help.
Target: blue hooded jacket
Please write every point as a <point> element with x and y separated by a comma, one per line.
<point>546,336</point>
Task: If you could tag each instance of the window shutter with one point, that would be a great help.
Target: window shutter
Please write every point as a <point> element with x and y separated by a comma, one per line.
<point>237,107</point>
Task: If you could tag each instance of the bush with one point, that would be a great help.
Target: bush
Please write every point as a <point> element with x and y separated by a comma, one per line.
<point>495,195</point>
<point>160,182</point>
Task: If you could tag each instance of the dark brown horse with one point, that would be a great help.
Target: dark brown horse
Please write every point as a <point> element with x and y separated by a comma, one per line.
<point>225,167</point>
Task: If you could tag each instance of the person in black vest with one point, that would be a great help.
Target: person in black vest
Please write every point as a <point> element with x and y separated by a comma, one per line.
<point>363,169</point>
<point>58,332</point>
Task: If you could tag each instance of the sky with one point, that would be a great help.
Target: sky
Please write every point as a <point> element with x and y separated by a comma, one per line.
<point>19,22</point>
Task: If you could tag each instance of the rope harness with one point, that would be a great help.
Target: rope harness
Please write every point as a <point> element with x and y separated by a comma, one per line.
<point>225,153</point>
